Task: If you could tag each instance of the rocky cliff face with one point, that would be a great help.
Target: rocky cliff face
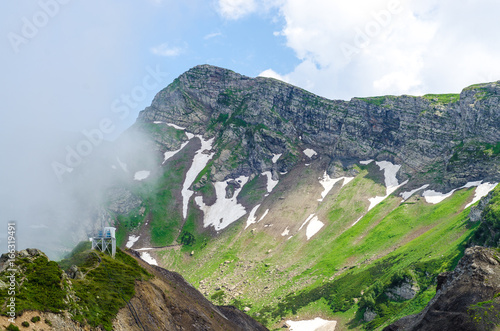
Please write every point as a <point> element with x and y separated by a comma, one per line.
<point>466,298</point>
<point>168,302</point>
<point>260,117</point>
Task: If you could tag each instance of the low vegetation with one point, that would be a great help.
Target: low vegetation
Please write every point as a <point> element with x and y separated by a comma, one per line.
<point>108,284</point>
<point>442,98</point>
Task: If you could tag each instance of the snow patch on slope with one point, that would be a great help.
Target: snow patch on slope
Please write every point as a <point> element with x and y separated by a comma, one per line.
<point>131,241</point>
<point>307,220</point>
<point>276,157</point>
<point>141,175</point>
<point>148,258</point>
<point>313,227</point>
<point>328,183</point>
<point>251,218</point>
<point>271,184</point>
<point>224,211</point>
<point>366,162</point>
<point>263,215</point>
<point>391,182</point>
<point>168,154</point>
<point>434,197</point>
<point>312,325</point>
<point>310,152</point>
<point>481,191</point>
<point>200,161</point>
<point>407,195</point>
<point>175,126</point>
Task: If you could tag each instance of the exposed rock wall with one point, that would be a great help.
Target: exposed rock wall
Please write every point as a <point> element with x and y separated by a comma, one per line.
<point>262,116</point>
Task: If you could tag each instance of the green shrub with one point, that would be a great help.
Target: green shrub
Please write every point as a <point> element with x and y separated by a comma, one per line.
<point>187,238</point>
<point>35,319</point>
<point>25,324</point>
<point>12,327</point>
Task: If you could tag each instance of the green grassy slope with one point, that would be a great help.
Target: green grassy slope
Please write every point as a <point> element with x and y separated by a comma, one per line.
<point>282,278</point>
<point>94,300</point>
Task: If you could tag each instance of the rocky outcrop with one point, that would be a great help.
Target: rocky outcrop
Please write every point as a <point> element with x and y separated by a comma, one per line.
<point>29,253</point>
<point>369,315</point>
<point>476,211</point>
<point>258,117</point>
<point>168,302</point>
<point>476,279</point>
<point>406,290</point>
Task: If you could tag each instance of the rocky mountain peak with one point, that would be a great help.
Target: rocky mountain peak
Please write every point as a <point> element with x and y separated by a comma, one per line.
<point>259,117</point>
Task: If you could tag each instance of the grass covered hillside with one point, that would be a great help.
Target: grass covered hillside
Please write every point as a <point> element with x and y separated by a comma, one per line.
<point>352,269</point>
<point>100,288</point>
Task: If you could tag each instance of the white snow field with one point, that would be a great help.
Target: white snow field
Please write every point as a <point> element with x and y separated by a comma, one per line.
<point>313,227</point>
<point>168,154</point>
<point>328,183</point>
<point>310,152</point>
<point>175,126</point>
<point>434,197</point>
<point>307,220</point>
<point>131,241</point>
<point>276,157</point>
<point>200,161</point>
<point>148,258</point>
<point>481,191</point>
<point>391,182</point>
<point>317,324</point>
<point>407,195</point>
<point>141,175</point>
<point>251,217</point>
<point>271,184</point>
<point>224,211</point>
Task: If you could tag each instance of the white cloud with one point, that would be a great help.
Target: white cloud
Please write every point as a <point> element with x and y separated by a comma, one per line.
<point>212,35</point>
<point>270,73</point>
<point>376,47</point>
<point>235,9</point>
<point>166,50</point>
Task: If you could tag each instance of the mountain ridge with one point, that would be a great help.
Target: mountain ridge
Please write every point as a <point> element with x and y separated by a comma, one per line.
<point>412,131</point>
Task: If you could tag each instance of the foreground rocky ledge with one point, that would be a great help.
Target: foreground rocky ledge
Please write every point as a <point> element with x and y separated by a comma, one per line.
<point>466,298</point>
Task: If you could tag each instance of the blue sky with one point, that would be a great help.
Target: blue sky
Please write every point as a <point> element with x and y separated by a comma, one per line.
<point>67,65</point>
<point>86,54</point>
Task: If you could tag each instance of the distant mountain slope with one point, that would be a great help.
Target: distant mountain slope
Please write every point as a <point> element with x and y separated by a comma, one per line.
<point>289,205</point>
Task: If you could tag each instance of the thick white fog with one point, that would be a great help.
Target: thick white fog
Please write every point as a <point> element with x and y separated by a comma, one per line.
<point>69,86</point>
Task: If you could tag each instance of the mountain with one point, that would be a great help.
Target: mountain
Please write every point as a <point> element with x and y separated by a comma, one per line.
<point>97,292</point>
<point>291,206</point>
<point>434,133</point>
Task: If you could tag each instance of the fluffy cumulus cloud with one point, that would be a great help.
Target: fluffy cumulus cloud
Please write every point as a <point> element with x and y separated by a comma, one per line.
<point>376,47</point>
